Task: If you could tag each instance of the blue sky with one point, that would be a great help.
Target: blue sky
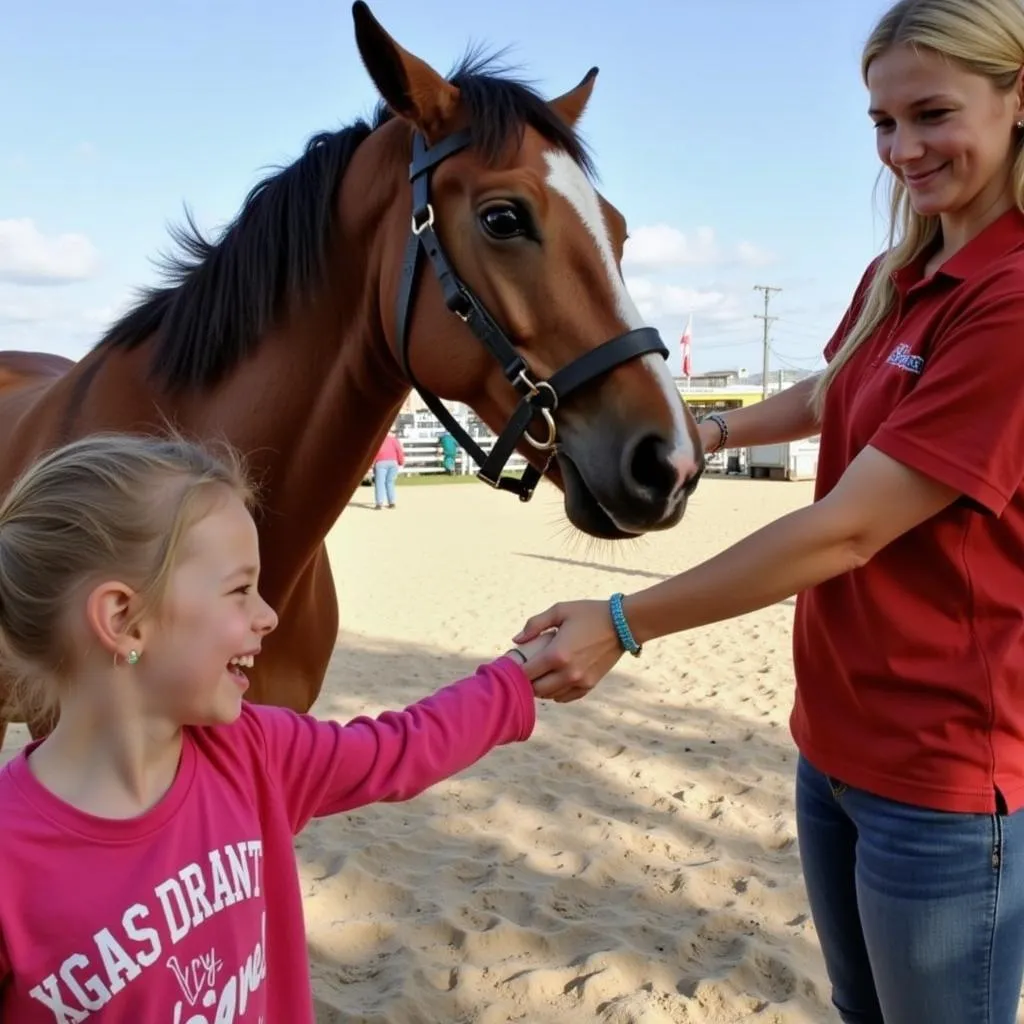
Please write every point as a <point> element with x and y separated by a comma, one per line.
<point>732,135</point>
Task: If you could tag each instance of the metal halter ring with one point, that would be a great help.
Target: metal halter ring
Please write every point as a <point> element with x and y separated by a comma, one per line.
<point>552,432</point>
<point>546,412</point>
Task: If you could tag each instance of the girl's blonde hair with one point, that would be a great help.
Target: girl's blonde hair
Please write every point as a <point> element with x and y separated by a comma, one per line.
<point>985,37</point>
<point>106,506</point>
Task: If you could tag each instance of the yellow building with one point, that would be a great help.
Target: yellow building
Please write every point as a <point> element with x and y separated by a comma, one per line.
<point>705,400</point>
<point>717,392</point>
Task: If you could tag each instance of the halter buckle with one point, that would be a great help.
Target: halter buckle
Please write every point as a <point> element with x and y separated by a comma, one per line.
<point>533,388</point>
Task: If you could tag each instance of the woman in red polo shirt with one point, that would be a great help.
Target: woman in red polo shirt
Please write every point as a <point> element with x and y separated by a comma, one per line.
<point>909,564</point>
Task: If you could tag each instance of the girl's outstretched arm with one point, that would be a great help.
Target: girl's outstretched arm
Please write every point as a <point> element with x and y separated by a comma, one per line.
<point>325,767</point>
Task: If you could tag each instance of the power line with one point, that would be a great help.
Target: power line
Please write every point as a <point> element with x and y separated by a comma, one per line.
<point>784,356</point>
<point>767,289</point>
<point>803,328</point>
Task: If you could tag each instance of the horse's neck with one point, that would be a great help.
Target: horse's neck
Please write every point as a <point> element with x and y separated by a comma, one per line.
<point>311,404</point>
<point>333,377</point>
<point>318,424</point>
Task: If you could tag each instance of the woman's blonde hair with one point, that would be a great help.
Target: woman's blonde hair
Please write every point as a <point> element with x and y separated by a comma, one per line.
<point>109,505</point>
<point>985,37</point>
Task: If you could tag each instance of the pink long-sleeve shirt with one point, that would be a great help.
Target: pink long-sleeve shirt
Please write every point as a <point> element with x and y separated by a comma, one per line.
<point>191,913</point>
<point>390,448</point>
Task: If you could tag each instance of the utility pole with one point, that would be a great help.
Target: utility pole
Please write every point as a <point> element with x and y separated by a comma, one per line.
<point>767,289</point>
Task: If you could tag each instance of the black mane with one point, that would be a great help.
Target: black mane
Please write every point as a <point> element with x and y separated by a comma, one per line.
<point>220,297</point>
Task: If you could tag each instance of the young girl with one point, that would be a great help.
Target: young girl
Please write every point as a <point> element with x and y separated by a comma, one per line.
<point>146,869</point>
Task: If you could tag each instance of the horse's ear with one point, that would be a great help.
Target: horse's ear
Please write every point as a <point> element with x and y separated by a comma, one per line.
<point>570,105</point>
<point>410,86</point>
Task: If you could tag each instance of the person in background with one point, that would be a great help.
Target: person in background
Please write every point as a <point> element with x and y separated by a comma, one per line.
<point>449,450</point>
<point>386,463</point>
<point>909,564</point>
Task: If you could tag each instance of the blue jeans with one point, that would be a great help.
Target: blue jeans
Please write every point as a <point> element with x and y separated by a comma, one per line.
<point>920,913</point>
<point>384,474</point>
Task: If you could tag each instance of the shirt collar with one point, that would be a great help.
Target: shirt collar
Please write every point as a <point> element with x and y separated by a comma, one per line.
<point>1001,237</point>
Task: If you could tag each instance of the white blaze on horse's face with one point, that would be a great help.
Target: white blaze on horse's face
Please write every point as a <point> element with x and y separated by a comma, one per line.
<point>567,178</point>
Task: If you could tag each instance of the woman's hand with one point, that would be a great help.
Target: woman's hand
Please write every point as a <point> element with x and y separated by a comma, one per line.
<point>582,651</point>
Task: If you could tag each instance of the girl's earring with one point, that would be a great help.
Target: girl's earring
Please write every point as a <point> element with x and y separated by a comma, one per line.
<point>133,657</point>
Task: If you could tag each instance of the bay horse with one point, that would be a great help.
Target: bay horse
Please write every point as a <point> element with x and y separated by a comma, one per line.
<point>297,335</point>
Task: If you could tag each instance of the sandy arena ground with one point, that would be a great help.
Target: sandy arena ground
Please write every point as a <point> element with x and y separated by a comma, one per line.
<point>635,861</point>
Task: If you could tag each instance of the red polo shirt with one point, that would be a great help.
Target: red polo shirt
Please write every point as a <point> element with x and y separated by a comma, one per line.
<point>910,670</point>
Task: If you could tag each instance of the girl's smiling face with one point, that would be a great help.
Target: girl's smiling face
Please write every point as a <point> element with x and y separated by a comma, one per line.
<point>211,616</point>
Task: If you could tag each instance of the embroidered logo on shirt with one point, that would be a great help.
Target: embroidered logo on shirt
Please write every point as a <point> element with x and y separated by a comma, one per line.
<point>902,357</point>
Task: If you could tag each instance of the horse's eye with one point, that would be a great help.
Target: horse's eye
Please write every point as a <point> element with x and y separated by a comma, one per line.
<point>504,221</point>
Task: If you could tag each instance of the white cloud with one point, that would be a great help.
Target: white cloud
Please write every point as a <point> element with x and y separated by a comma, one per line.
<point>27,256</point>
<point>68,321</point>
<point>657,300</point>
<point>661,246</point>
<point>67,336</point>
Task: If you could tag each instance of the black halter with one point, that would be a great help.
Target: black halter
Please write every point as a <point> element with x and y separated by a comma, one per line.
<point>537,397</point>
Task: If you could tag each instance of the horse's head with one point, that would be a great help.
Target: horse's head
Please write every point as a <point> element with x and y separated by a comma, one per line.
<point>518,243</point>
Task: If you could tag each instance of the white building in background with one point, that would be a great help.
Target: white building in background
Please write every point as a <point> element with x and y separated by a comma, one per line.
<point>417,423</point>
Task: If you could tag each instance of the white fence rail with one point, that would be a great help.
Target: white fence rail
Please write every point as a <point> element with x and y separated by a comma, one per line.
<point>425,457</point>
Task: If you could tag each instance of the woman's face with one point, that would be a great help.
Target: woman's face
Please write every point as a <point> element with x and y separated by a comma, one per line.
<point>948,134</point>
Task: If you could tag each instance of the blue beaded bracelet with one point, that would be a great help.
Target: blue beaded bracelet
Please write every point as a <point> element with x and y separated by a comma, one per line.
<point>622,629</point>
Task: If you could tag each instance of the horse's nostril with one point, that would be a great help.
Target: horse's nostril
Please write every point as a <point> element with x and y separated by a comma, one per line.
<point>649,466</point>
<point>654,470</point>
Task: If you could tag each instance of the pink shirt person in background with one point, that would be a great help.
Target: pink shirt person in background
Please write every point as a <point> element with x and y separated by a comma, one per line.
<point>390,450</point>
<point>389,459</point>
<point>147,870</point>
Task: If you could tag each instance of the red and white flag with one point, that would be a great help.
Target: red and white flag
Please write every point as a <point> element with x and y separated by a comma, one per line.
<point>684,343</point>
